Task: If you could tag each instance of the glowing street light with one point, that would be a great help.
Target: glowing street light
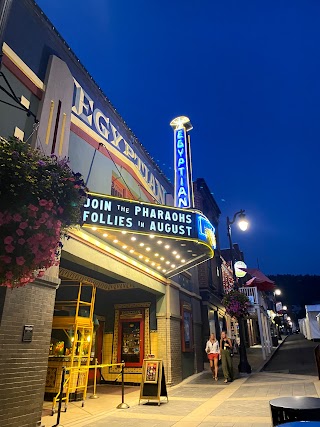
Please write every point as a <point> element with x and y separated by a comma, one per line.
<point>243,225</point>
<point>277,292</point>
<point>285,308</point>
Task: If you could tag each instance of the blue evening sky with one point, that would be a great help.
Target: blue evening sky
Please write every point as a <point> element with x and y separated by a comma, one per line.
<point>247,73</point>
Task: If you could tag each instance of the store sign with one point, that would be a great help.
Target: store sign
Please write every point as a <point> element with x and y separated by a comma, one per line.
<point>237,268</point>
<point>132,216</point>
<point>86,109</point>
<point>182,173</point>
<point>278,307</point>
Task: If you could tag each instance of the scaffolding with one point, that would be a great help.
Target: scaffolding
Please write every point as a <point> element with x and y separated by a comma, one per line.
<point>77,323</point>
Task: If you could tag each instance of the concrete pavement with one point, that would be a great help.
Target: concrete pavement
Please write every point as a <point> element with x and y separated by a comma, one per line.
<point>197,401</point>
<point>295,356</point>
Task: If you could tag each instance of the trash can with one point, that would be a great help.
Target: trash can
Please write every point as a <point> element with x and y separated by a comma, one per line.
<point>303,424</point>
<point>275,341</point>
<point>286,409</point>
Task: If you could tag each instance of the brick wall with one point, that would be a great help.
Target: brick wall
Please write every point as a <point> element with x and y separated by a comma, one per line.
<point>23,365</point>
<point>169,348</point>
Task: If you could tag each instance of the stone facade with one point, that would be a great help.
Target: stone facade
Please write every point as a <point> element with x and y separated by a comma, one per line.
<point>23,365</point>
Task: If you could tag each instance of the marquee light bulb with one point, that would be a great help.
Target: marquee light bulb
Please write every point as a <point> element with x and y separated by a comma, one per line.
<point>131,251</point>
<point>105,235</point>
<point>148,249</point>
<point>133,238</point>
<point>141,244</point>
<point>159,242</point>
<point>167,246</point>
<point>115,241</point>
<point>94,228</point>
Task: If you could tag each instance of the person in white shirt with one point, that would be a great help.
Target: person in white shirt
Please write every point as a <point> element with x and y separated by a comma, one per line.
<point>213,351</point>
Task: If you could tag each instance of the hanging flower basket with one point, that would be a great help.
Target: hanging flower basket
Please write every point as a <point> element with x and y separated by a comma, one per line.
<point>236,304</point>
<point>40,198</point>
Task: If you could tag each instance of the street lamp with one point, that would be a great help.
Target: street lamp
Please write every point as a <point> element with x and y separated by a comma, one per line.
<point>284,308</point>
<point>277,292</point>
<point>243,225</point>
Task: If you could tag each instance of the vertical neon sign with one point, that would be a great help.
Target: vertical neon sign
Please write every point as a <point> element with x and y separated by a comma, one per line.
<point>182,164</point>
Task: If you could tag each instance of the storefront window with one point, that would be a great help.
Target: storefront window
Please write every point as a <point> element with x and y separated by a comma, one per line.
<point>186,327</point>
<point>130,351</point>
<point>131,340</point>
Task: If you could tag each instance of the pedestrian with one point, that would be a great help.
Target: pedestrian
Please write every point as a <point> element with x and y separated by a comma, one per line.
<point>226,357</point>
<point>213,352</point>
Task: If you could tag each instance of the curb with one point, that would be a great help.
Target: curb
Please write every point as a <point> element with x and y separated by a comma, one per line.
<point>266,362</point>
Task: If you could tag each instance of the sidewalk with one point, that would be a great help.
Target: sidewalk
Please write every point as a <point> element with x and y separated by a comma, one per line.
<point>197,401</point>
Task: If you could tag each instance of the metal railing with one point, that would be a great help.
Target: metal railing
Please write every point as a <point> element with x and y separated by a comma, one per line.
<point>65,381</point>
<point>254,296</point>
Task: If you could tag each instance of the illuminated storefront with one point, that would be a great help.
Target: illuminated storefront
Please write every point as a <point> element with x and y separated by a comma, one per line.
<point>134,247</point>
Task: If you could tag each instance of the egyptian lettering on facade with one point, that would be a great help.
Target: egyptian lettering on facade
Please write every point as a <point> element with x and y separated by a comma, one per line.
<point>84,108</point>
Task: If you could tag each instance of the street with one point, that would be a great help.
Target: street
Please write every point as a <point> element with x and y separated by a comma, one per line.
<point>295,356</point>
<point>199,401</point>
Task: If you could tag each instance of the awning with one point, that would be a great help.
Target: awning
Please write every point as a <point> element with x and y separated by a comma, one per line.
<point>162,238</point>
<point>258,279</point>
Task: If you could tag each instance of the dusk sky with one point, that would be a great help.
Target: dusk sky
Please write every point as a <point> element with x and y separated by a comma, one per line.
<point>247,74</point>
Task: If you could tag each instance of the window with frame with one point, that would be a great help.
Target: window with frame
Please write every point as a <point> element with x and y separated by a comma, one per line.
<point>117,188</point>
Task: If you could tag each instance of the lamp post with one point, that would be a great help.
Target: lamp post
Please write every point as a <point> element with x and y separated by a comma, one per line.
<point>243,366</point>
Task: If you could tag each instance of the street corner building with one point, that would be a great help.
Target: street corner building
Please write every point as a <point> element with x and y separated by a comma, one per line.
<point>127,287</point>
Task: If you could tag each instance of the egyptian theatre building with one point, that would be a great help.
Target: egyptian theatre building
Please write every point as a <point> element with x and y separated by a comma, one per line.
<point>126,287</point>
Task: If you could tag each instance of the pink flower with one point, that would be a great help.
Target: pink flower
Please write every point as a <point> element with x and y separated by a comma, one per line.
<point>9,248</point>
<point>8,240</point>
<point>49,205</point>
<point>19,232</point>
<point>60,210</point>
<point>21,241</point>
<point>43,202</point>
<point>23,225</point>
<point>33,208</point>
<point>6,259</point>
<point>9,275</point>
<point>17,217</point>
<point>20,260</point>
<point>49,224</point>
<point>41,273</point>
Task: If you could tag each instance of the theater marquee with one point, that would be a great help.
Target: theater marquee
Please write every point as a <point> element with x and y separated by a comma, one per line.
<point>190,233</point>
<point>133,216</point>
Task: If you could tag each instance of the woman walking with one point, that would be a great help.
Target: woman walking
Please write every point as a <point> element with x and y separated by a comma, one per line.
<point>213,352</point>
<point>226,359</point>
